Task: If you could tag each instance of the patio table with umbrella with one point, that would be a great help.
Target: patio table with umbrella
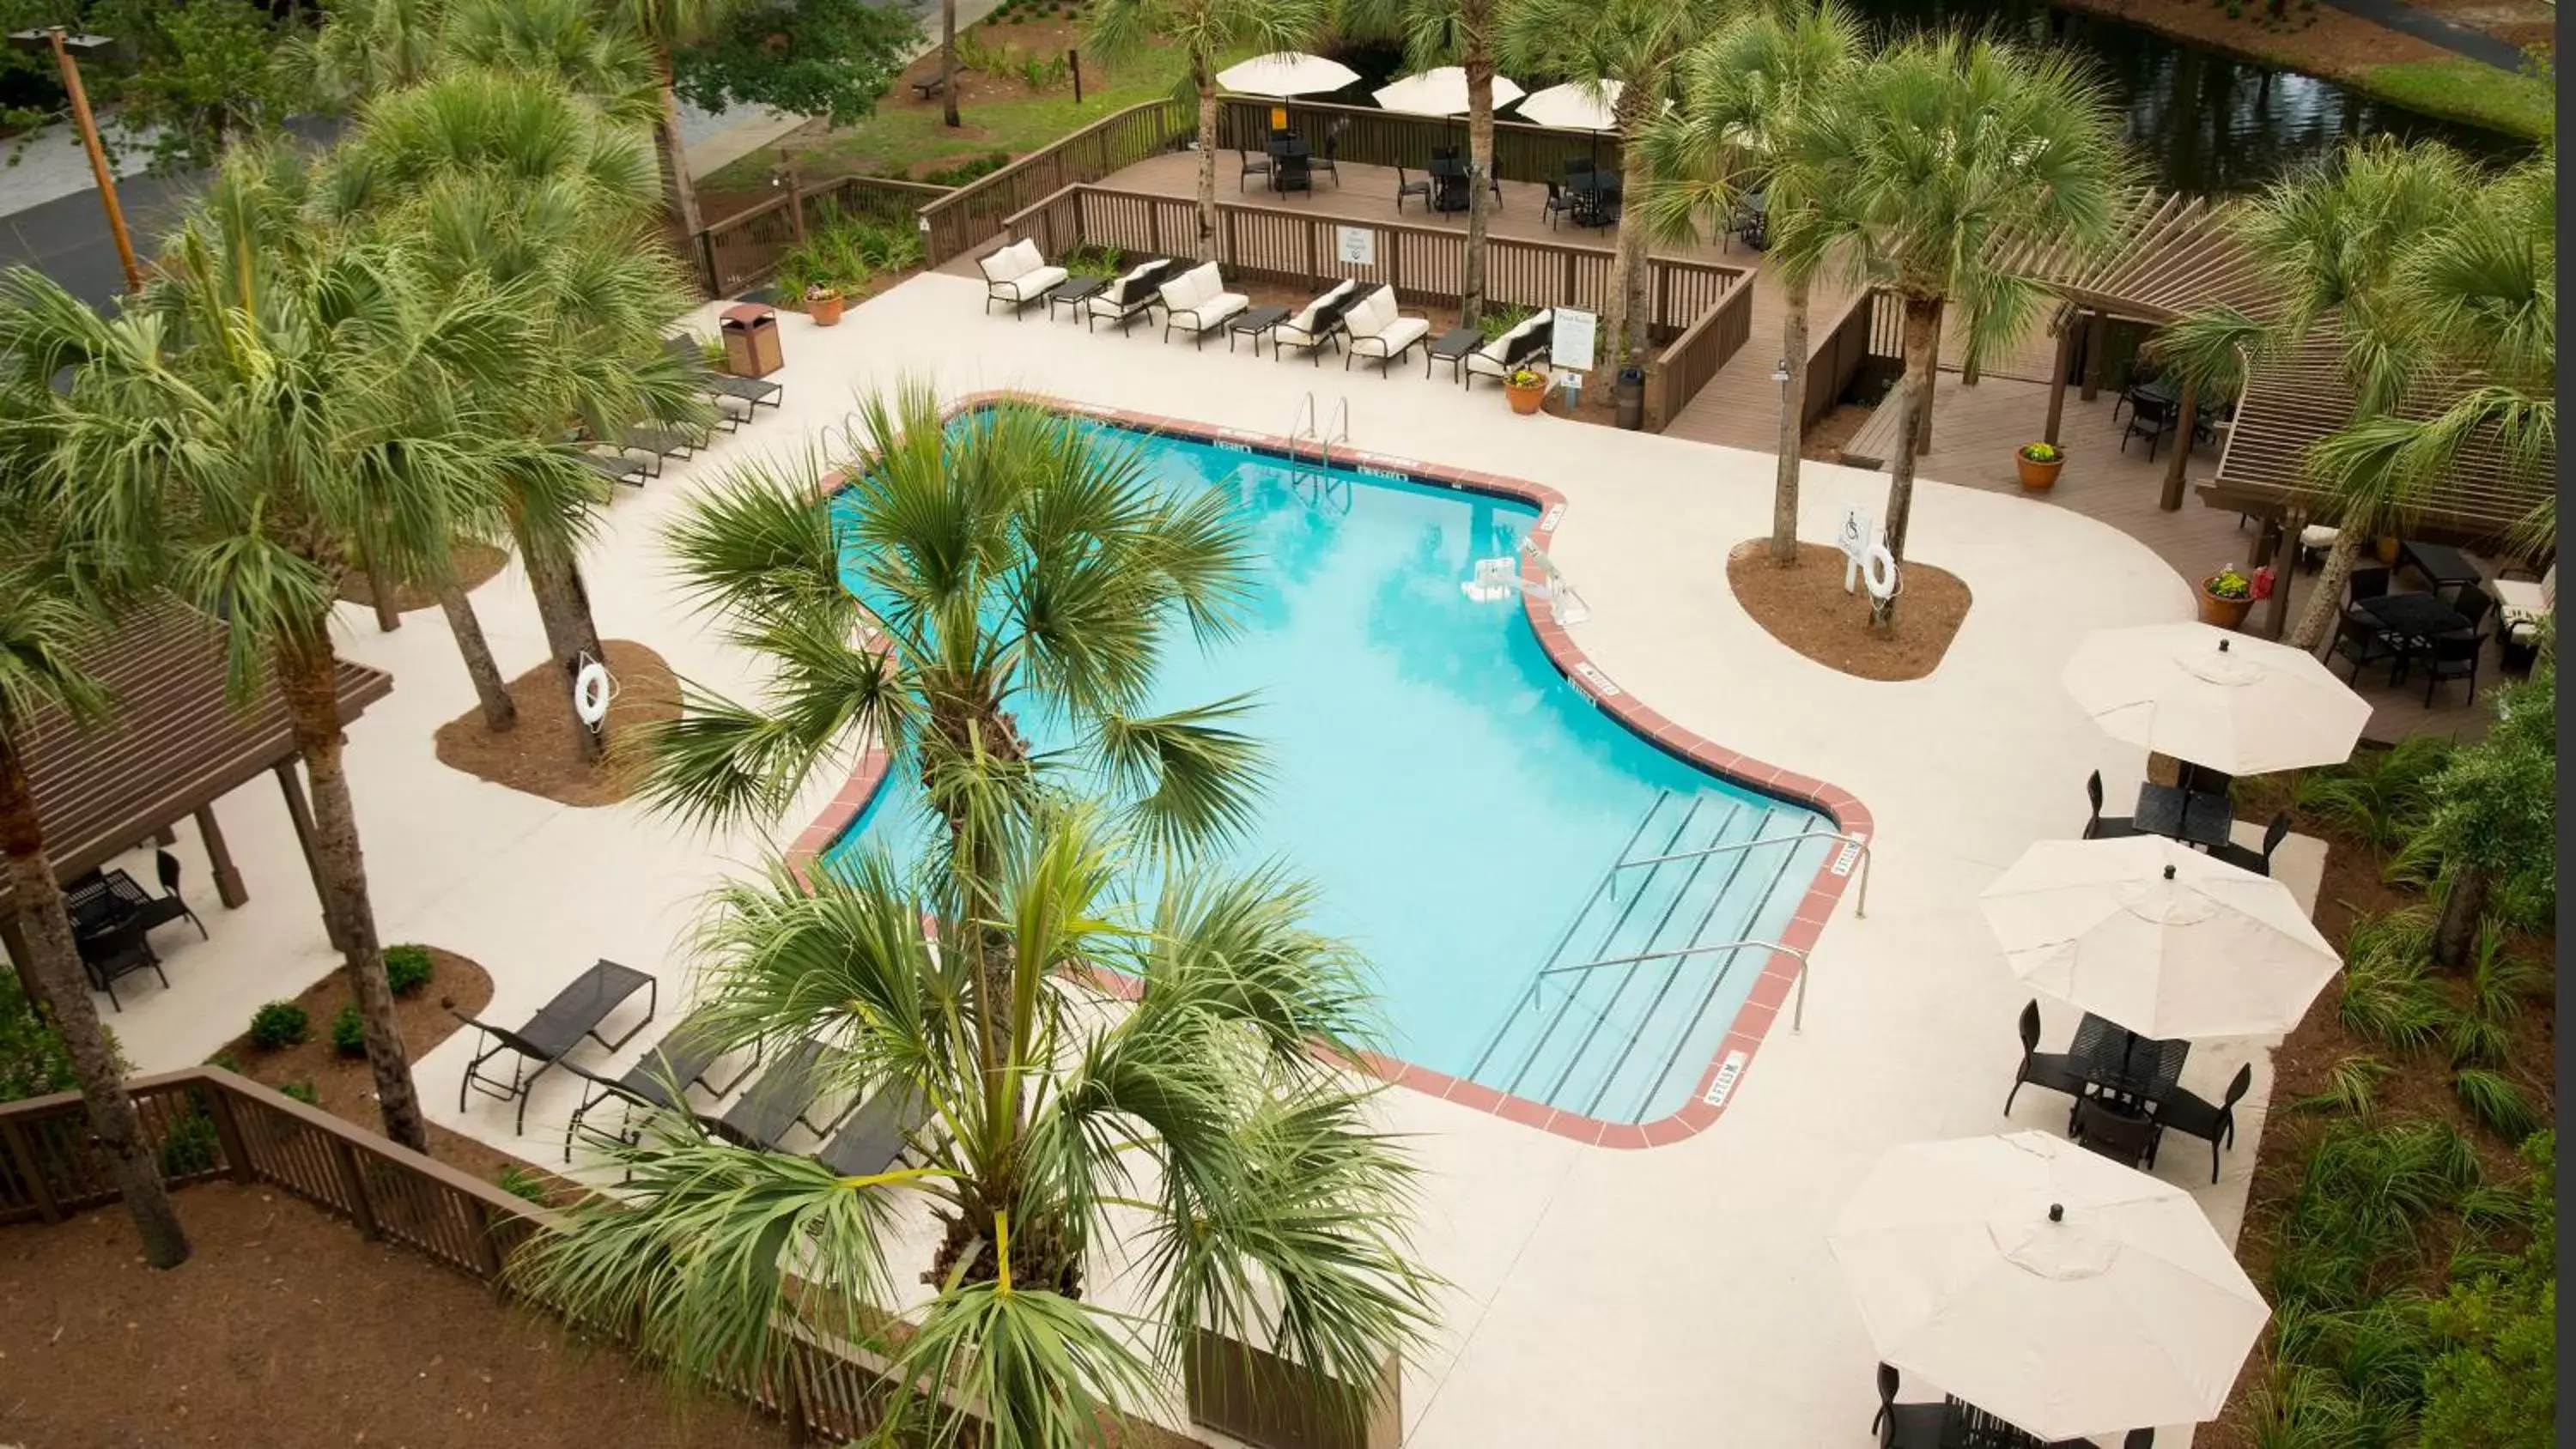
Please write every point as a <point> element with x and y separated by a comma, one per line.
<point>2052,1288</point>
<point>1287,73</point>
<point>1581,106</point>
<point>1442,91</point>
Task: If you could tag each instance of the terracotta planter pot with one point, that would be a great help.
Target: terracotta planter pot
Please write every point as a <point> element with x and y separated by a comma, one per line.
<point>1525,400</point>
<point>826,311</point>
<point>2387,548</point>
<point>2035,476</point>
<point>2225,613</point>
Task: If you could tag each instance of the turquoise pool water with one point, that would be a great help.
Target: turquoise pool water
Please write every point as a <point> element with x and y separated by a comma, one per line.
<point>1459,802</point>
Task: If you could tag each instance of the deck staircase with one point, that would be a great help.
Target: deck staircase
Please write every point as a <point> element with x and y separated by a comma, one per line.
<point>1620,1008</point>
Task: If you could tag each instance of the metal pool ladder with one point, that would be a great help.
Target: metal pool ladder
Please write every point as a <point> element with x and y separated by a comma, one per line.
<point>1308,426</point>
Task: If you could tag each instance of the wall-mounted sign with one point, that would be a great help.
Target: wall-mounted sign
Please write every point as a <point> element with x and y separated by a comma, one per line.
<point>1355,245</point>
<point>1570,338</point>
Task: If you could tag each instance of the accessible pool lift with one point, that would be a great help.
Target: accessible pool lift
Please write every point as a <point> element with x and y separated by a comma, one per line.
<point>1500,578</point>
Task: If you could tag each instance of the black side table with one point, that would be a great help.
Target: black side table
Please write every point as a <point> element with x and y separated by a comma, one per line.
<point>1073,293</point>
<point>1452,348</point>
<point>1252,322</point>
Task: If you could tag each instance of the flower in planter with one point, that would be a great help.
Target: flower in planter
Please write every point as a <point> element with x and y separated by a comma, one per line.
<point>2229,583</point>
<point>2042,452</point>
<point>1526,377</point>
<point>820,293</point>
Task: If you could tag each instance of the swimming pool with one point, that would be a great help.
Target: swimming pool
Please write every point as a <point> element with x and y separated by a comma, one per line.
<point>1548,900</point>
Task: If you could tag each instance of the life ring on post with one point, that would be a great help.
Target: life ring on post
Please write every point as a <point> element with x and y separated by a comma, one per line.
<point>591,691</point>
<point>1878,571</point>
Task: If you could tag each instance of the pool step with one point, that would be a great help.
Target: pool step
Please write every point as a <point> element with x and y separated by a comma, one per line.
<point>1623,1014</point>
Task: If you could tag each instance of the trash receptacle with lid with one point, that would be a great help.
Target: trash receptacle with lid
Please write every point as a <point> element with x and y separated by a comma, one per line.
<point>751,341</point>
<point>1628,398</point>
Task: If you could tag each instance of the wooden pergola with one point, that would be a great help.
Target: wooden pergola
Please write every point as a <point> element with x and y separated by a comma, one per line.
<point>172,745</point>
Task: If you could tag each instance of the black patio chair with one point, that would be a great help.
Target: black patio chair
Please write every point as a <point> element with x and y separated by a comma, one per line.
<point>2364,640</point>
<point>1556,206</point>
<point>1327,161</point>
<point>2107,1130</point>
<point>113,897</point>
<point>878,1135</point>
<point>2151,417</point>
<point>119,951</point>
<point>2447,657</point>
<point>2367,582</point>
<point>786,1095</point>
<point>1252,166</point>
<point>1405,188</point>
<point>1905,1426</point>
<point>2258,861</point>
<point>2099,826</point>
<point>2055,1071</point>
<point>2184,1112</point>
<point>1295,173</point>
<point>2474,605</point>
<point>575,1012</point>
<point>663,1075</point>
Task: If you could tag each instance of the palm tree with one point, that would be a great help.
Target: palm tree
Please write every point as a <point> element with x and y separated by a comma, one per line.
<point>1206,31</point>
<point>1461,33</point>
<point>1639,44</point>
<point>364,47</point>
<point>948,63</point>
<point>1215,1131</point>
<point>1744,93</point>
<point>663,26</point>
<point>1945,146</point>
<point>281,395</point>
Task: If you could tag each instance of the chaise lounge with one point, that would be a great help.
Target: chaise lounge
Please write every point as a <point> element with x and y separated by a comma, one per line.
<point>1315,325</point>
<point>663,1076</point>
<point>1196,302</point>
<point>1132,296</point>
<point>751,392</point>
<point>1017,274</point>
<point>787,1095</point>
<point>1523,346</point>
<point>577,1011</point>
<point>1377,330</point>
<point>877,1135</point>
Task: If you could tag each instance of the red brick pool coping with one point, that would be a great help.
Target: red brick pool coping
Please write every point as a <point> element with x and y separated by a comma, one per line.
<point>1770,999</point>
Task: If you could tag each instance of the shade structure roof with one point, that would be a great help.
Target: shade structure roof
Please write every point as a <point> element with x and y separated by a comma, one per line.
<point>172,741</point>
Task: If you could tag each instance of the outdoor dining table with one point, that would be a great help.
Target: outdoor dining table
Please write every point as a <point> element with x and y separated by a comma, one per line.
<point>2417,616</point>
<point>2198,817</point>
<point>2118,1061</point>
<point>1449,183</point>
<point>1596,198</point>
<point>2442,566</point>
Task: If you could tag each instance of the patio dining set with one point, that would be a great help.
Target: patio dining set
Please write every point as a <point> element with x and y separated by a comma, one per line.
<point>113,917</point>
<point>2421,628</point>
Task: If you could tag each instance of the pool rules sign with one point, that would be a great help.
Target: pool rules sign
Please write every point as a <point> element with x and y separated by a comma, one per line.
<point>1570,342</point>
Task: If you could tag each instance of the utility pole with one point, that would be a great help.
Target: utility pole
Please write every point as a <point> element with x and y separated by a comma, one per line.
<point>65,46</point>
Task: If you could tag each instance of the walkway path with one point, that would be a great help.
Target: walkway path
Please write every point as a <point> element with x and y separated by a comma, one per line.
<point>2434,29</point>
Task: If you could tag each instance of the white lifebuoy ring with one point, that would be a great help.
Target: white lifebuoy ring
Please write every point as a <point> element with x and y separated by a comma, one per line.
<point>1878,571</point>
<point>590,692</point>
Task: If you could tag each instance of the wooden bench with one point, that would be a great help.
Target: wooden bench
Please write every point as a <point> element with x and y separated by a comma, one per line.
<point>928,86</point>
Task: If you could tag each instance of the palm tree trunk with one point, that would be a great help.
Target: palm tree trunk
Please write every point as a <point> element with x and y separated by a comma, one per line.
<point>1207,157</point>
<point>55,963</point>
<point>677,189</point>
<point>1793,425</point>
<point>2326,603</point>
<point>1922,336</point>
<point>563,607</point>
<point>2464,906</point>
<point>1477,20</point>
<point>306,680</point>
<point>1629,341</point>
<point>498,712</point>
<point>948,62</point>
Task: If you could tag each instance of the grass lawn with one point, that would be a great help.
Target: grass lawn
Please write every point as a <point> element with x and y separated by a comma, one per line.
<point>2469,90</point>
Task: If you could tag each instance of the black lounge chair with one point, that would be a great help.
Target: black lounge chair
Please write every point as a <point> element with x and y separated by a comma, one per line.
<point>662,1077</point>
<point>878,1134</point>
<point>557,1028</point>
<point>620,469</point>
<point>1905,1426</point>
<point>2105,827</point>
<point>2053,1070</point>
<point>663,440</point>
<point>751,392</point>
<point>120,950</point>
<point>785,1096</point>
<point>2259,862</point>
<point>2123,1136</point>
<point>1252,166</point>
<point>2185,1112</point>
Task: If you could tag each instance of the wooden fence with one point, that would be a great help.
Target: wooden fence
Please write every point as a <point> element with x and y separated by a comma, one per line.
<point>969,216</point>
<point>744,249</point>
<point>1685,366</point>
<point>1371,137</point>
<point>1871,328</point>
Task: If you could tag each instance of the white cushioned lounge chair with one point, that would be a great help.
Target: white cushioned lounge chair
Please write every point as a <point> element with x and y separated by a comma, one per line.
<point>1017,274</point>
<point>1316,324</point>
<point>1196,302</point>
<point>1377,330</point>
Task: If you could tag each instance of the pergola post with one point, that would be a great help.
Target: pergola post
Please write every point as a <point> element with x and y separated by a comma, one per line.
<point>2097,340</point>
<point>2057,377</point>
<point>219,860</point>
<point>301,812</point>
<point>2285,558</point>
<point>2189,417</point>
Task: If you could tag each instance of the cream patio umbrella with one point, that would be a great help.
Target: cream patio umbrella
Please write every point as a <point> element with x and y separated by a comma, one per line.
<point>2158,938</point>
<point>1574,106</point>
<point>1439,92</point>
<point>2050,1287</point>
<point>1288,73</point>
<point>2197,692</point>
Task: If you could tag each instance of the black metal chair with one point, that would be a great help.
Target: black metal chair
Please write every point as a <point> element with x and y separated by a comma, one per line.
<point>663,1075</point>
<point>1905,1426</point>
<point>2151,417</point>
<point>1252,166</point>
<point>2099,826</point>
<point>2259,862</point>
<point>2106,1129</point>
<point>2362,639</point>
<point>166,907</point>
<point>1294,173</point>
<point>2474,605</point>
<point>1556,206</point>
<point>2447,657</point>
<point>575,1012</point>
<point>1405,188</point>
<point>2187,1113</point>
<point>120,950</point>
<point>2054,1070</point>
<point>1326,161</point>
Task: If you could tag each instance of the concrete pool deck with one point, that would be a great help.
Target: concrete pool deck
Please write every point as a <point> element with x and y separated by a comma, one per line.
<point>1675,1296</point>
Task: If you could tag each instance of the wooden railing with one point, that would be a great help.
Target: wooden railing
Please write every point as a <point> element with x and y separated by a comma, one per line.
<point>744,249</point>
<point>1871,328</point>
<point>1371,137</point>
<point>1696,355</point>
<point>1424,264</point>
<point>973,214</point>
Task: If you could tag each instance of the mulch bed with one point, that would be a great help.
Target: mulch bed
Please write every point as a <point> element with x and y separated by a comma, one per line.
<point>540,755</point>
<point>288,1328</point>
<point>1805,608</point>
<point>476,563</point>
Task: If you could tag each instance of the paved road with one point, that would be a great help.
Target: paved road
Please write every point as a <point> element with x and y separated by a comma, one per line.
<point>2426,26</point>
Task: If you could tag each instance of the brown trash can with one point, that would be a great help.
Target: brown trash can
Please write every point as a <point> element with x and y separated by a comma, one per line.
<point>751,341</point>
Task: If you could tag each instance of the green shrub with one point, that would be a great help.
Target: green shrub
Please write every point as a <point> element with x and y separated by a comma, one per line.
<point>349,1032</point>
<point>519,1182</point>
<point>2494,1385</point>
<point>191,1145</point>
<point>226,1061</point>
<point>279,1025</point>
<point>1499,320</point>
<point>2381,796</point>
<point>408,968</point>
<point>33,1059</point>
<point>2493,1099</point>
<point>1094,261</point>
<point>2388,993</point>
<point>965,171</point>
<point>845,254</point>
<point>2352,1087</point>
<point>301,1091</point>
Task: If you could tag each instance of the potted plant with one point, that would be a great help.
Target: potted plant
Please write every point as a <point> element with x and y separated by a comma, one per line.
<point>2038,464</point>
<point>2225,596</point>
<point>823,304</point>
<point>1525,386</point>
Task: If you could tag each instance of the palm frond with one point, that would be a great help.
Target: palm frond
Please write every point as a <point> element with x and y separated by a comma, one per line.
<point>1193,778</point>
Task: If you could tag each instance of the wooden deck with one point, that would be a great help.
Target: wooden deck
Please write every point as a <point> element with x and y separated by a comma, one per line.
<point>1975,429</point>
